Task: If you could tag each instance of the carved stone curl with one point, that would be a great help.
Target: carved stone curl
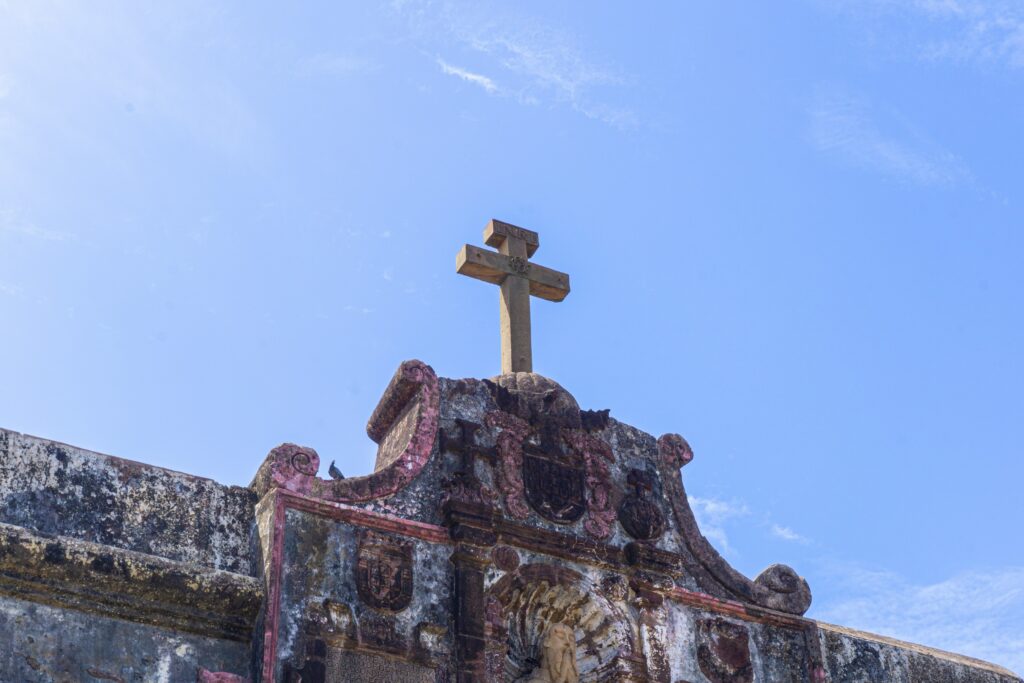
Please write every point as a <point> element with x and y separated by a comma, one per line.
<point>404,425</point>
<point>289,466</point>
<point>778,587</point>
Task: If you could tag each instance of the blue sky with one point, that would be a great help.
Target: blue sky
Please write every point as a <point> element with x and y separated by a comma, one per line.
<point>793,231</point>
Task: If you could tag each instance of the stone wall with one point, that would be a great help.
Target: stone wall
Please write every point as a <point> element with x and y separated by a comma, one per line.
<point>58,489</point>
<point>499,516</point>
<point>112,570</point>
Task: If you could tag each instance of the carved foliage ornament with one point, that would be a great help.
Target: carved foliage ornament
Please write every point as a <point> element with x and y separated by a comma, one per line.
<point>510,459</point>
<point>384,571</point>
<point>596,455</point>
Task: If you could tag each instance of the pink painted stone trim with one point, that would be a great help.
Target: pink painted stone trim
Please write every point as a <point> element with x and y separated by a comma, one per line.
<point>284,500</point>
<point>294,468</point>
<point>273,579</point>
<point>219,677</point>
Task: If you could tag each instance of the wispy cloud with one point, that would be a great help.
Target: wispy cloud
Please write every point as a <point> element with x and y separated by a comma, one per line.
<point>11,224</point>
<point>468,76</point>
<point>957,30</point>
<point>713,514</point>
<point>849,128</point>
<point>534,62</point>
<point>787,534</point>
<point>980,613</point>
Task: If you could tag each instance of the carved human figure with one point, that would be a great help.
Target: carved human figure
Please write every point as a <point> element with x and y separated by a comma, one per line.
<point>558,657</point>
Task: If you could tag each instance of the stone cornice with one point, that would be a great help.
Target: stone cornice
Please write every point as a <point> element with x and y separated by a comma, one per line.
<point>67,572</point>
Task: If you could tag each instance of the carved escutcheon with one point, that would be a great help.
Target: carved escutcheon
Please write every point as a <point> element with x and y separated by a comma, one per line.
<point>723,651</point>
<point>384,571</point>
<point>556,490</point>
<point>640,516</point>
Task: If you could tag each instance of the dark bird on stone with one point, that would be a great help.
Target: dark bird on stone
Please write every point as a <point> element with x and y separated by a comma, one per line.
<point>335,472</point>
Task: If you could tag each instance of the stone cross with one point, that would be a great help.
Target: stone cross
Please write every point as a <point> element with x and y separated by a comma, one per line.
<point>510,267</point>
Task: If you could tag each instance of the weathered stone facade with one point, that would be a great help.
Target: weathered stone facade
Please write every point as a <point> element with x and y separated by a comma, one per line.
<point>502,523</point>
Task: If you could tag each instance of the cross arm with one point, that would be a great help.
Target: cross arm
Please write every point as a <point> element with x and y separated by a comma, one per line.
<point>492,267</point>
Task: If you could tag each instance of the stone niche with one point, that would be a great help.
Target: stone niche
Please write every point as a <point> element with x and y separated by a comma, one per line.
<point>526,606</point>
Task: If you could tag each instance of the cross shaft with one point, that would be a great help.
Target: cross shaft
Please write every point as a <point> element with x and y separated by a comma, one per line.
<point>518,278</point>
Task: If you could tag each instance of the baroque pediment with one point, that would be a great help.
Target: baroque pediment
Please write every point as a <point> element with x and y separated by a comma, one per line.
<point>518,456</point>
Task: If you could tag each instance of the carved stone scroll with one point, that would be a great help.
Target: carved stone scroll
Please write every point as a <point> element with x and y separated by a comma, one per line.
<point>778,587</point>
<point>404,425</point>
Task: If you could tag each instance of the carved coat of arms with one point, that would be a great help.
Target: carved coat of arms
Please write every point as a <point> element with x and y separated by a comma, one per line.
<point>723,651</point>
<point>384,571</point>
<point>554,484</point>
<point>640,516</point>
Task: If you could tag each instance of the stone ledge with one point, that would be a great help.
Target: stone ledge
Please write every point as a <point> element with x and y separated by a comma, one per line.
<point>67,572</point>
<point>55,488</point>
<point>952,659</point>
